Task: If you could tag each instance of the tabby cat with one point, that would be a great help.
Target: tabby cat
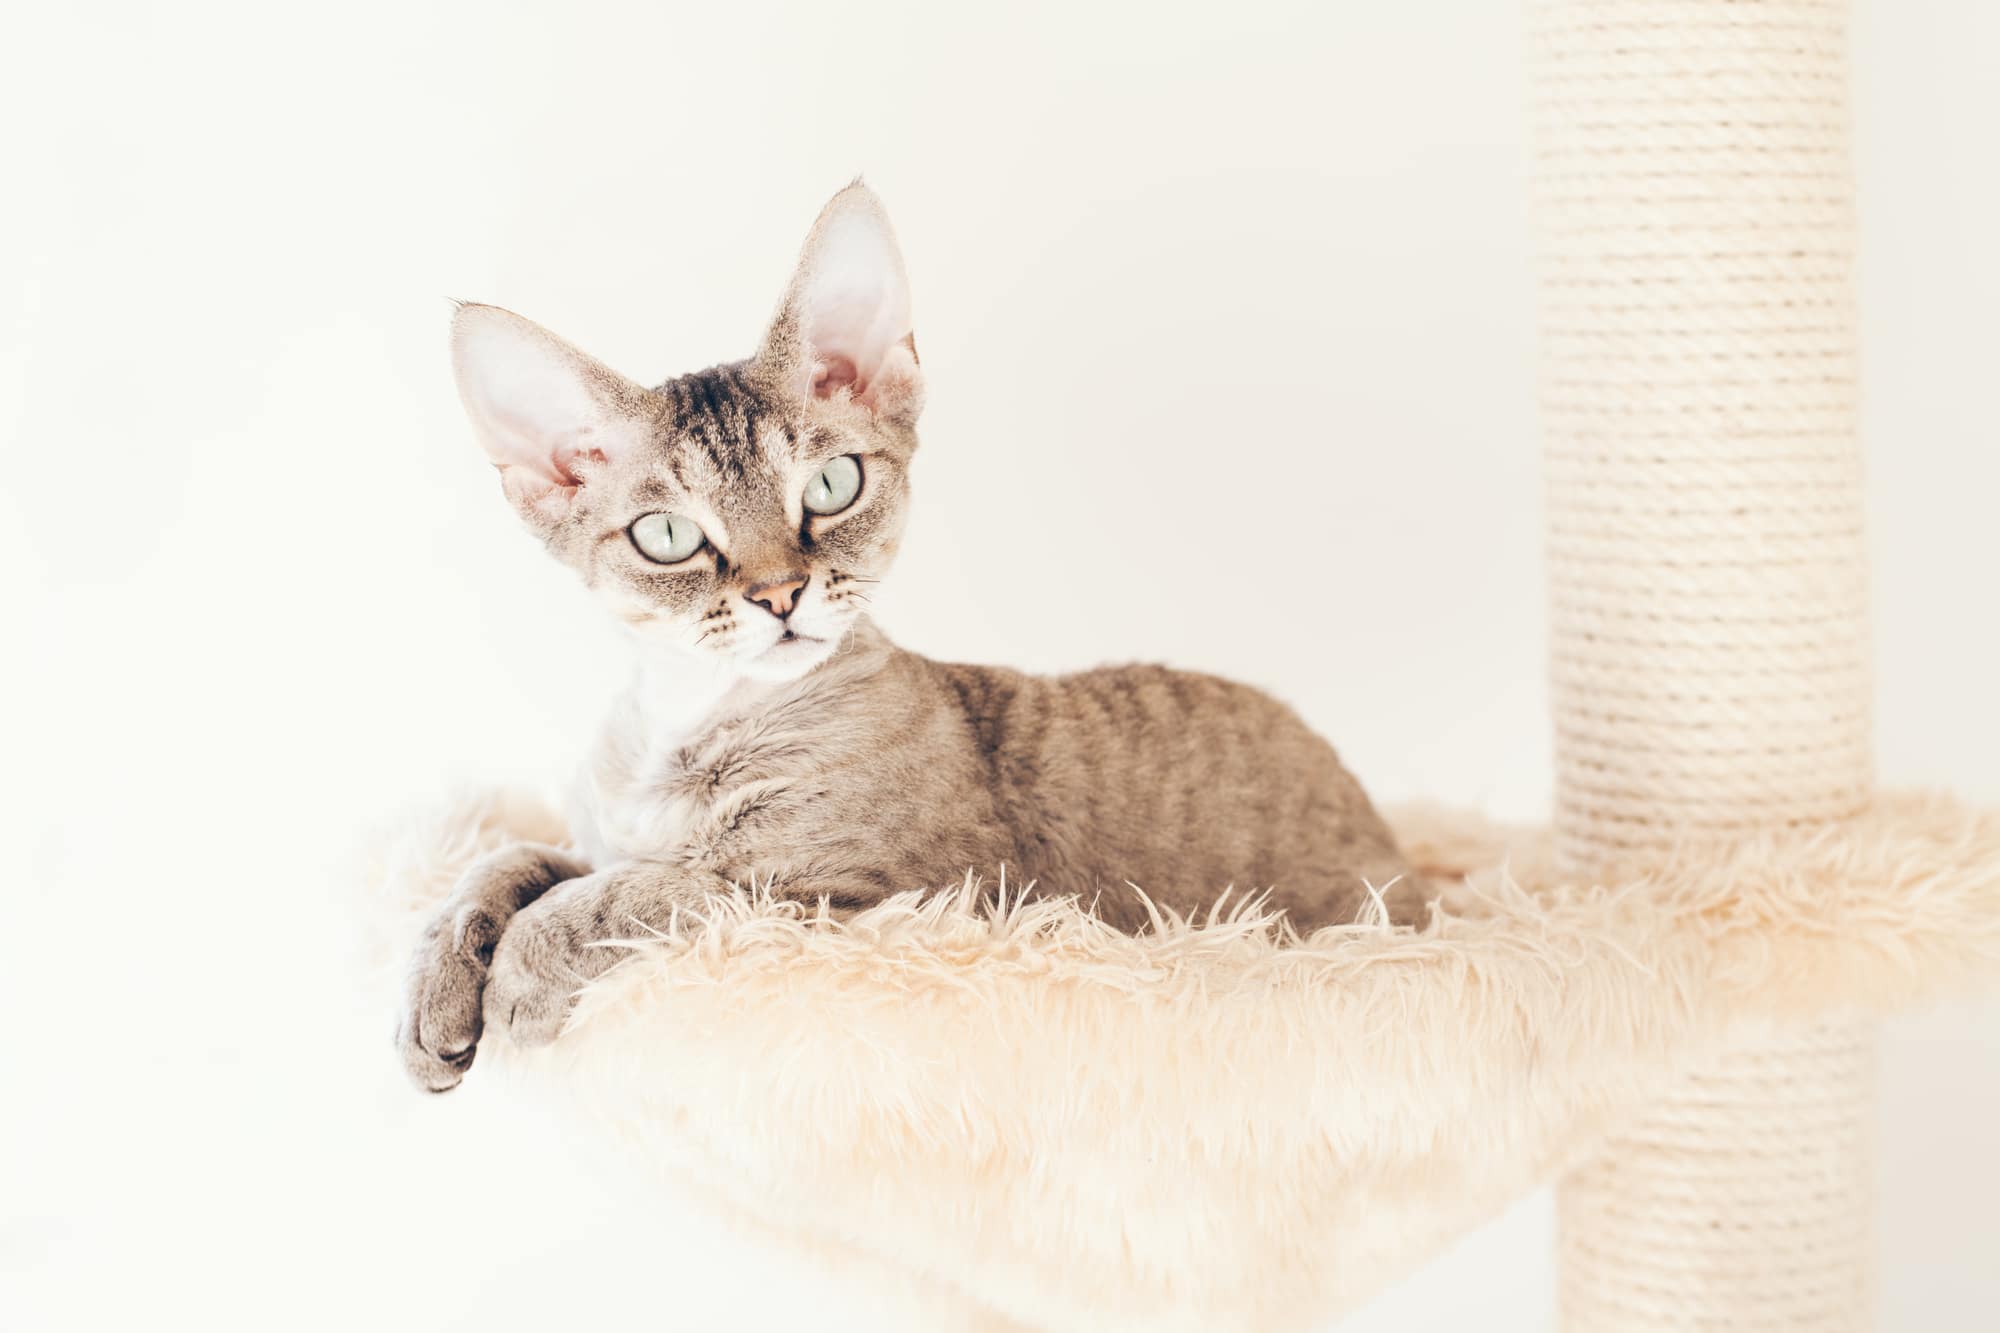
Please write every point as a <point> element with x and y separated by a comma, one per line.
<point>740,514</point>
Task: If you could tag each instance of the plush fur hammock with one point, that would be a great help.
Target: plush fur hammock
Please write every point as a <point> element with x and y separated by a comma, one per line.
<point>1664,1002</point>
<point>1207,1127</point>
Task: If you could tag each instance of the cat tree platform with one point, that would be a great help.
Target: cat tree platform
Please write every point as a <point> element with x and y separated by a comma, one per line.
<point>1207,1127</point>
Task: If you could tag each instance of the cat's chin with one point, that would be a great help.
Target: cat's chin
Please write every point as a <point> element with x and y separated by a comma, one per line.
<point>788,658</point>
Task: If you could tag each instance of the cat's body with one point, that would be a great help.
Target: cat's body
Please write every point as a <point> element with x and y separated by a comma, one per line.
<point>882,771</point>
<point>738,515</point>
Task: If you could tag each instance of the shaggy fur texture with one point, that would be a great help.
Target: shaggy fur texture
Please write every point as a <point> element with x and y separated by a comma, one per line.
<point>1212,1126</point>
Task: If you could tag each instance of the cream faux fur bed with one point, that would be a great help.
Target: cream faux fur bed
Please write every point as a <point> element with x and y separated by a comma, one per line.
<point>1208,1127</point>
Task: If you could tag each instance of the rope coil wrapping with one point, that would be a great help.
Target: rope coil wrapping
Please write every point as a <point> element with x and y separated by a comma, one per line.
<point>1708,589</point>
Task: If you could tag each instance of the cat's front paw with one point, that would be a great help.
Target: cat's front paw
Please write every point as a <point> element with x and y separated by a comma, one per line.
<point>438,1033</point>
<point>549,952</point>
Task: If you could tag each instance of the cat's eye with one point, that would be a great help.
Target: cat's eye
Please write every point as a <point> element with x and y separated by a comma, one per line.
<point>667,539</point>
<point>834,486</point>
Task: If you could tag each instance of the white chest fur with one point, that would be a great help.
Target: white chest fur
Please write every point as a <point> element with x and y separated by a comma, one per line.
<point>627,801</point>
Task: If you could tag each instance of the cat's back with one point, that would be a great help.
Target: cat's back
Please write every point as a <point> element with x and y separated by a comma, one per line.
<point>1179,782</point>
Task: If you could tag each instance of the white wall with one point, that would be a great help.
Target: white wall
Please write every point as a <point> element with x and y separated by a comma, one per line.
<point>1255,273</point>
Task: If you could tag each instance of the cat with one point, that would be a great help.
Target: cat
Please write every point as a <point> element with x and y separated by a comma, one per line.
<point>741,514</point>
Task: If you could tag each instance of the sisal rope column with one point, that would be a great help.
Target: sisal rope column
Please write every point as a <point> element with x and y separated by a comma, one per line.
<point>1708,594</point>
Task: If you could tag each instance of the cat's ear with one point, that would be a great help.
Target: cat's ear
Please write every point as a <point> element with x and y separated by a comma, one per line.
<point>546,412</point>
<point>844,327</point>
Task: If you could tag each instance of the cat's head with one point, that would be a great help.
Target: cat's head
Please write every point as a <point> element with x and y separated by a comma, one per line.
<point>741,513</point>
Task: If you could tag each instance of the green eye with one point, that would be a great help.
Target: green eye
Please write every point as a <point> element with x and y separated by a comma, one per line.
<point>667,539</point>
<point>834,486</point>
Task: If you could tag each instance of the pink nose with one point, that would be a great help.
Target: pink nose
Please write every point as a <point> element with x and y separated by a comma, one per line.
<point>778,597</point>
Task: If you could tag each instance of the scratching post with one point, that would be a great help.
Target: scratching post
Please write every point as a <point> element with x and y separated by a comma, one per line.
<point>1707,594</point>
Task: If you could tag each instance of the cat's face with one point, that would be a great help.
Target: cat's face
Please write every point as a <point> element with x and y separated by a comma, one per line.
<point>743,513</point>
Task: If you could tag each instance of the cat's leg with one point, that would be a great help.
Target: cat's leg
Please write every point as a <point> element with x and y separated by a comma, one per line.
<point>442,1010</point>
<point>555,947</point>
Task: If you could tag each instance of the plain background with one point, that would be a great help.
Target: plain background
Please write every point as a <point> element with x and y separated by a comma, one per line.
<point>1226,314</point>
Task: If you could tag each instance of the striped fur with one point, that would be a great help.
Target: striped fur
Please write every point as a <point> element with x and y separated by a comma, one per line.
<point>820,759</point>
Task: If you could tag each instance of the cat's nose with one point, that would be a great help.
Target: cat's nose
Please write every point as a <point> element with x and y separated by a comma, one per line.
<point>779,596</point>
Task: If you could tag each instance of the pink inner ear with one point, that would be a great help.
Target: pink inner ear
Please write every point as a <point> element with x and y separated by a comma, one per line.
<point>535,489</point>
<point>834,373</point>
<point>532,491</point>
<point>566,457</point>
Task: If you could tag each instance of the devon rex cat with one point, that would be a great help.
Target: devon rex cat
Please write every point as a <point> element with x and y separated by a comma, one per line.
<point>739,514</point>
